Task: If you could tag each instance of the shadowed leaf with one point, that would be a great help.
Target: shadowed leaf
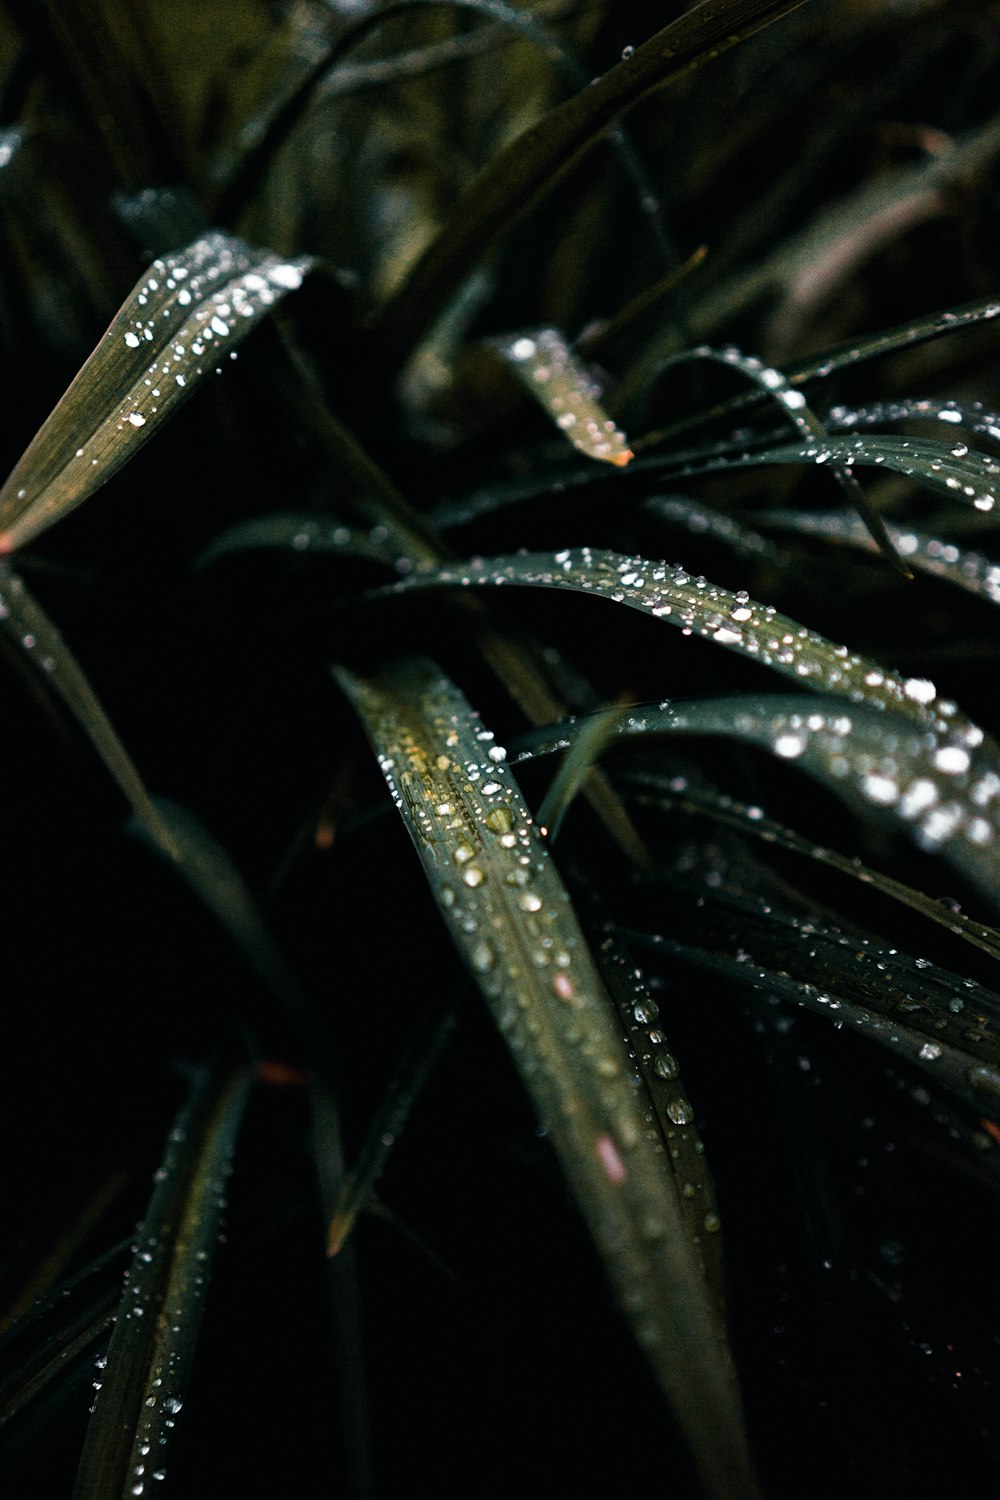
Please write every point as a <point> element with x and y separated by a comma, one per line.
<point>943,787</point>
<point>152,1347</point>
<point>23,618</point>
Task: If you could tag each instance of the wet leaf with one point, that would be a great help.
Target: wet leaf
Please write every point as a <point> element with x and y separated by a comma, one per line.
<point>952,468</point>
<point>935,1021</point>
<point>854,351</point>
<point>510,917</point>
<point>956,565</point>
<point>732,620</point>
<point>793,403</point>
<point>704,520</point>
<point>688,795</point>
<point>551,373</point>
<point>182,318</point>
<point>24,620</point>
<point>156,1329</point>
<point>943,787</point>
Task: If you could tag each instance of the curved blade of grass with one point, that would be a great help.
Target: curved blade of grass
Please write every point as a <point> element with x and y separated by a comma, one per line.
<point>819,366</point>
<point>965,1068</point>
<point>551,373</point>
<point>671,792</point>
<point>411,1073</point>
<point>667,1109</point>
<point>704,520</point>
<point>22,618</point>
<point>928,554</point>
<point>941,787</point>
<point>295,532</point>
<point>954,469</point>
<point>971,415</point>
<point>595,733</point>
<point>792,402</point>
<point>186,314</point>
<point>732,620</point>
<point>510,917</point>
<point>156,1330</point>
<point>57,1329</point>
<point>532,164</point>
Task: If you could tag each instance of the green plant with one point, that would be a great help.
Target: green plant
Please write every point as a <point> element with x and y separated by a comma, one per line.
<point>377,532</point>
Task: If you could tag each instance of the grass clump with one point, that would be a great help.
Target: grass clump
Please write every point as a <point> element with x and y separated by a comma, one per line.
<point>593,1025</point>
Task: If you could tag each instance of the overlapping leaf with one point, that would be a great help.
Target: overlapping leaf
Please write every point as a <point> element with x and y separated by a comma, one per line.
<point>512,921</point>
<point>731,620</point>
<point>149,1359</point>
<point>944,789</point>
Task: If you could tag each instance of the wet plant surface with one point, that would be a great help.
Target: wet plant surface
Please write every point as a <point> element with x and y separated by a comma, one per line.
<point>503,785</point>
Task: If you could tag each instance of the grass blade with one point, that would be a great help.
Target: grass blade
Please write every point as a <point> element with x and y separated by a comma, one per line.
<point>964,569</point>
<point>502,898</point>
<point>186,314</point>
<point>953,468</point>
<point>731,620</point>
<point>550,372</point>
<point>668,793</point>
<point>22,617</point>
<point>943,788</point>
<point>792,402</point>
<point>532,164</point>
<point>156,1330</point>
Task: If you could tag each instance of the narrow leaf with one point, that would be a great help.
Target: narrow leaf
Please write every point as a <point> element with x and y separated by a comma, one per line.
<point>551,373</point>
<point>792,402</point>
<point>511,919</point>
<point>965,569</point>
<point>943,788</point>
<point>732,620</point>
<point>532,164</point>
<point>156,1330</point>
<point>22,617</point>
<point>684,794</point>
<point>181,319</point>
<point>952,468</point>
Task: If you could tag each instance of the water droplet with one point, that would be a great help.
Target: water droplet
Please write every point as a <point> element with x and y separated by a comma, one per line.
<point>499,819</point>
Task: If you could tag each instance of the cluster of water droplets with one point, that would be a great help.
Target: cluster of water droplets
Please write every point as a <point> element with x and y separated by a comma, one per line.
<point>551,372</point>
<point>730,619</point>
<point>191,309</point>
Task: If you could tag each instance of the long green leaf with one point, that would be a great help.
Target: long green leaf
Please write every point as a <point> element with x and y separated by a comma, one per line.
<point>943,789</point>
<point>953,468</point>
<point>156,1330</point>
<point>731,620</point>
<point>181,319</point>
<point>551,373</point>
<point>685,794</point>
<point>511,919</point>
<point>956,565</point>
<point>24,619</point>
